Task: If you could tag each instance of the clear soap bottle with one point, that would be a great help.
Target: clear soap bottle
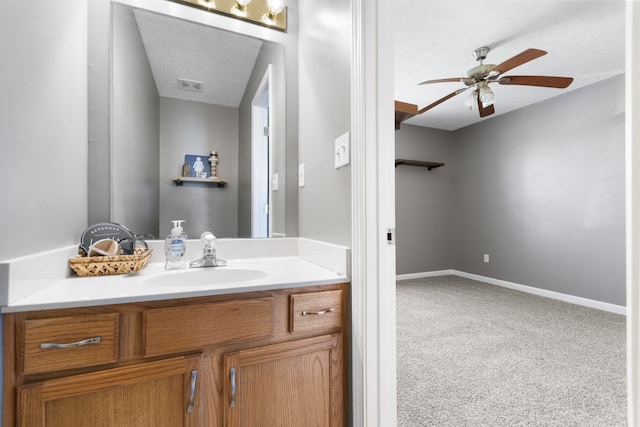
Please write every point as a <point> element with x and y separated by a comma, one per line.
<point>175,246</point>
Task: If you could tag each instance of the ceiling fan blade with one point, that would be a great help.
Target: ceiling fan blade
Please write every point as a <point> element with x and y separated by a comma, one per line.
<point>441,100</point>
<point>544,81</point>
<point>519,59</point>
<point>451,79</point>
<point>485,111</point>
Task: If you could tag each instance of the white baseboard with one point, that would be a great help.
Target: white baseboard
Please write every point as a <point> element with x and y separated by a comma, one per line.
<point>425,274</point>
<point>586,302</point>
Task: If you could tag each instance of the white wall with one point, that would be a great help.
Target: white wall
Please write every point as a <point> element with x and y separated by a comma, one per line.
<point>324,114</point>
<point>43,125</point>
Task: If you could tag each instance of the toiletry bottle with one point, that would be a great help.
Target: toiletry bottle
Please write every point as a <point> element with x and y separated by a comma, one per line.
<point>175,246</point>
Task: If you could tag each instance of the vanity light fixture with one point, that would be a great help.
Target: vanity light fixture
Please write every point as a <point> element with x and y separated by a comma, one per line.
<point>274,8</point>
<point>240,8</point>
<point>268,13</point>
<point>209,4</point>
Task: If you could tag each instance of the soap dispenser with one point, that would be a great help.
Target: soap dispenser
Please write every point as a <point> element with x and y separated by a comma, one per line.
<point>175,246</point>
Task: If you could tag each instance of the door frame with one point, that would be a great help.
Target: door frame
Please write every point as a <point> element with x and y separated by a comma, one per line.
<point>373,322</point>
<point>263,96</point>
<point>373,272</point>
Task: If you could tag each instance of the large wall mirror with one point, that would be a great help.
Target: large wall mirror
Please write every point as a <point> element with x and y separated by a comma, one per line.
<point>182,88</point>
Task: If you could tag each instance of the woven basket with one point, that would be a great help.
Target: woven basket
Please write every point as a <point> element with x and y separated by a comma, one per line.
<point>109,265</point>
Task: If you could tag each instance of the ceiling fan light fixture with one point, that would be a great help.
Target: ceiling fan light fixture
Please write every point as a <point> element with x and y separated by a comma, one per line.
<point>471,99</point>
<point>486,95</point>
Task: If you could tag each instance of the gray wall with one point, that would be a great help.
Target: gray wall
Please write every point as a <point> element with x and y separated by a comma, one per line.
<point>135,125</point>
<point>270,54</point>
<point>99,106</point>
<point>324,114</point>
<point>188,127</point>
<point>541,190</point>
<point>43,125</point>
<point>424,201</point>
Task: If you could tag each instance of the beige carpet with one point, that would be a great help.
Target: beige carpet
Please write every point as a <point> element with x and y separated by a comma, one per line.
<point>474,354</point>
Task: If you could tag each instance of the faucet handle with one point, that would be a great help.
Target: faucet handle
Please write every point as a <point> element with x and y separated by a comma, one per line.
<point>207,237</point>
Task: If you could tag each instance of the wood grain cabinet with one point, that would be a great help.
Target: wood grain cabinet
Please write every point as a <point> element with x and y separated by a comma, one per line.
<point>297,383</point>
<point>274,358</point>
<point>151,394</point>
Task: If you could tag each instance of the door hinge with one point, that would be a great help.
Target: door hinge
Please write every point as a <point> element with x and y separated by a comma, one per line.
<point>391,236</point>
<point>266,131</point>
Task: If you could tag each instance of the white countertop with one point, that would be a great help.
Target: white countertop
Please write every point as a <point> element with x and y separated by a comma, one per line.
<point>301,263</point>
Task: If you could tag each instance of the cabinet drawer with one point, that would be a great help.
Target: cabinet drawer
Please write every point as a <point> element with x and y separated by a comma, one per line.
<point>192,327</point>
<point>69,342</point>
<point>316,310</point>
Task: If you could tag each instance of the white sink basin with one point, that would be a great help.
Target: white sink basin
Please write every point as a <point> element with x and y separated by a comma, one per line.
<point>208,276</point>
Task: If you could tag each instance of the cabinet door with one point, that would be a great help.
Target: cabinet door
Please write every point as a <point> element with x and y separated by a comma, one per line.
<point>161,393</point>
<point>297,383</point>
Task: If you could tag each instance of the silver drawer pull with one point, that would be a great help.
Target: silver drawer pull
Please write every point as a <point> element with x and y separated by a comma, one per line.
<point>192,391</point>
<point>94,340</point>
<point>232,404</point>
<point>319,313</point>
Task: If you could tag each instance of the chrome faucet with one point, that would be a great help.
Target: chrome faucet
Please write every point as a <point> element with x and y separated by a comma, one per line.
<point>209,258</point>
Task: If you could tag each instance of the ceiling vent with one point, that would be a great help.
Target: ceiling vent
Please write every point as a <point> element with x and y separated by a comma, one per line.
<point>190,85</point>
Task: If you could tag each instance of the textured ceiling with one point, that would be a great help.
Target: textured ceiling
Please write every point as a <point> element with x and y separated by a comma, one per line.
<point>436,39</point>
<point>221,60</point>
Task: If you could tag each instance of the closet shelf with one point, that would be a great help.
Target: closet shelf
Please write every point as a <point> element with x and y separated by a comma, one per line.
<point>428,165</point>
<point>180,180</point>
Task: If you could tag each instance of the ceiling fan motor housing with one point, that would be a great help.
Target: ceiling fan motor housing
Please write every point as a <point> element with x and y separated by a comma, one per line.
<point>480,71</point>
<point>481,53</point>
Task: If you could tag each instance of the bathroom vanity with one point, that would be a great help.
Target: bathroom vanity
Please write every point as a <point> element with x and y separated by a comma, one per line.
<point>261,351</point>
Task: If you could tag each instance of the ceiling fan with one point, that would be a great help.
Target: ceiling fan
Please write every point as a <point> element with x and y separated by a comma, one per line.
<point>478,79</point>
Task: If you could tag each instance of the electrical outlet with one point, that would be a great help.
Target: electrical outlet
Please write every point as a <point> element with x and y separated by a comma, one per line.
<point>301,175</point>
<point>486,258</point>
<point>342,151</point>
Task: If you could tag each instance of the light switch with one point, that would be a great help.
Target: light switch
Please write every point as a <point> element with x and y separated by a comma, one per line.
<point>342,150</point>
<point>301,175</point>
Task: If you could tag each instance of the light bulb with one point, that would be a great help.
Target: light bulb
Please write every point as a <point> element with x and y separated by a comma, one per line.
<point>275,7</point>
<point>240,8</point>
<point>486,96</point>
<point>211,4</point>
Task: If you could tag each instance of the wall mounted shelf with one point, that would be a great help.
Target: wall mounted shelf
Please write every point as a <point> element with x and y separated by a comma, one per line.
<point>428,165</point>
<point>180,180</point>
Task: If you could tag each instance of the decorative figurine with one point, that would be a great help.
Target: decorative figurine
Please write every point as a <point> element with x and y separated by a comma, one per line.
<point>213,159</point>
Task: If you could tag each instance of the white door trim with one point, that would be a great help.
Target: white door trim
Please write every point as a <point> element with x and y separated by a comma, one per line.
<point>261,104</point>
<point>373,346</point>
<point>632,170</point>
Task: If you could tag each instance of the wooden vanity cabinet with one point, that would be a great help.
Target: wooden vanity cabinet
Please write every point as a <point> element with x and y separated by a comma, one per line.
<point>145,395</point>
<point>296,383</point>
<point>273,358</point>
